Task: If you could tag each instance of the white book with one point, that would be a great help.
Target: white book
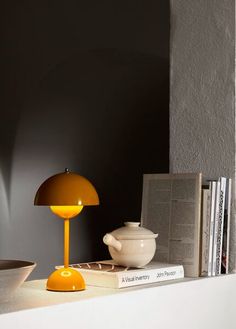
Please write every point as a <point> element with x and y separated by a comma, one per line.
<point>108,274</point>
<point>219,241</point>
<point>206,219</point>
<point>212,220</point>
<point>216,224</point>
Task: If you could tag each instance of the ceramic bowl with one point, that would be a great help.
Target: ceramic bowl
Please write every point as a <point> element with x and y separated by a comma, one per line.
<point>131,245</point>
<point>12,274</point>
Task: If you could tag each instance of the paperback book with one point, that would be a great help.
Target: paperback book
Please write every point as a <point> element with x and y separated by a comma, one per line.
<point>226,229</point>
<point>108,274</point>
<point>219,237</point>
<point>211,226</point>
<point>206,213</point>
<point>171,206</point>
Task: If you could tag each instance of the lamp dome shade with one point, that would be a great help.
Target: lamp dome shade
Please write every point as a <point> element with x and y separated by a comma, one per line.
<point>66,189</point>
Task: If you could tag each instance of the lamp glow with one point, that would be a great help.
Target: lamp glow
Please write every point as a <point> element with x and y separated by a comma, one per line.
<point>66,211</point>
<point>66,194</point>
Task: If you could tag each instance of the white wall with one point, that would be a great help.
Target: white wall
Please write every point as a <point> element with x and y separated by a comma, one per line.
<point>202,108</point>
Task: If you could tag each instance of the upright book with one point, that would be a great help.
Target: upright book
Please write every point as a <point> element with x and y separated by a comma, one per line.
<point>219,241</point>
<point>216,224</point>
<point>212,222</point>
<point>206,221</point>
<point>109,275</point>
<point>226,228</point>
<point>171,206</point>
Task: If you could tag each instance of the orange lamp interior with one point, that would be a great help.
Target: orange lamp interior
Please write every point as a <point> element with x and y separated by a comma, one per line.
<point>66,211</point>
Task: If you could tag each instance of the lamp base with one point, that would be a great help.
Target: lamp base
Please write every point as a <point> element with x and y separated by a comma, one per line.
<point>65,279</point>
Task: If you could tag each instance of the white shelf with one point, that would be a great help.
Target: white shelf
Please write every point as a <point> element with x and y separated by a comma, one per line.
<point>189,303</point>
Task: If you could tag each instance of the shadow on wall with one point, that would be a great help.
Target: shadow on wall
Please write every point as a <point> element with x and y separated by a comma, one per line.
<point>104,114</point>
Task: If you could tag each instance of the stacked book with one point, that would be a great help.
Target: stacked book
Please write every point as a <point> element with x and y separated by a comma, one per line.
<point>110,275</point>
<point>216,201</point>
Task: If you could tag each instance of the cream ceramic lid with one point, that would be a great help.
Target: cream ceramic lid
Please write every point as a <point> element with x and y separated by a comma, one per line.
<point>132,231</point>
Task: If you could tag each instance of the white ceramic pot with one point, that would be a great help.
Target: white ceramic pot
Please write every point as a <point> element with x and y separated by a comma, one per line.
<point>131,245</point>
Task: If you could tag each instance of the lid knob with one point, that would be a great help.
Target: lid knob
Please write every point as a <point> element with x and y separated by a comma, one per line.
<point>132,224</point>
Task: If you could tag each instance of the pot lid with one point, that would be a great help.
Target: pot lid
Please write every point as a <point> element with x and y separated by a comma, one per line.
<point>132,231</point>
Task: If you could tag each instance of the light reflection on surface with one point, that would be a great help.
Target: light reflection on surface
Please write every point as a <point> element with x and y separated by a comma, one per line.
<point>4,204</point>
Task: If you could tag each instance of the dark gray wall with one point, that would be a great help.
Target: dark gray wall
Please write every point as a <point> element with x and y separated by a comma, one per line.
<point>85,86</point>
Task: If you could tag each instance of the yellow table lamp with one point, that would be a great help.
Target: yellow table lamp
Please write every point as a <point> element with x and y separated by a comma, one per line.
<point>66,194</point>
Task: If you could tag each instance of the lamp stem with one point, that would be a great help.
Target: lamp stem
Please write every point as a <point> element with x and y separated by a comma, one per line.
<point>66,241</point>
